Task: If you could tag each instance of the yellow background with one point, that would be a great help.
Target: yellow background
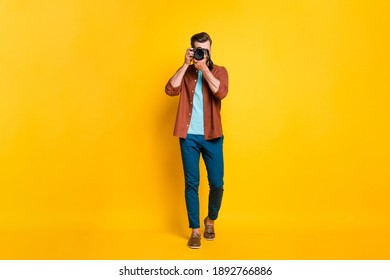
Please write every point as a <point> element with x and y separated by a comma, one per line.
<point>89,167</point>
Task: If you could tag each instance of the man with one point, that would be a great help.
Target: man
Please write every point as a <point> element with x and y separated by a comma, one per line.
<point>201,85</point>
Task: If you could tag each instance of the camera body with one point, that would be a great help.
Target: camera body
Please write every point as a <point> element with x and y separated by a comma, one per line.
<point>199,53</point>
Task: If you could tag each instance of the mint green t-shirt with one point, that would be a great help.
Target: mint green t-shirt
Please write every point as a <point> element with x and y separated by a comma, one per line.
<point>197,123</point>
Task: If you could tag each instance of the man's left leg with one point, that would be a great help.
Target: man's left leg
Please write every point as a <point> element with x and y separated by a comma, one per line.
<point>212,152</point>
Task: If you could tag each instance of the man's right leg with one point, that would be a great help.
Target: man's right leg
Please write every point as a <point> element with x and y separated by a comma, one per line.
<point>190,153</point>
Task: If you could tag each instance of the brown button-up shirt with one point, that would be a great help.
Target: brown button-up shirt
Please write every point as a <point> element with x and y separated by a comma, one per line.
<point>211,102</point>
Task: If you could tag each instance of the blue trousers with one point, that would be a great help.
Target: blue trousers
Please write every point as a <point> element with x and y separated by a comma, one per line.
<point>211,150</point>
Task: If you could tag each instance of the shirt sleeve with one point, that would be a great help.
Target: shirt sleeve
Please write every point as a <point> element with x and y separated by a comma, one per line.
<point>222,75</point>
<point>172,91</point>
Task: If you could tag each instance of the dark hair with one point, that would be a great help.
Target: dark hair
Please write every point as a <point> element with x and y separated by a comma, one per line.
<point>201,38</point>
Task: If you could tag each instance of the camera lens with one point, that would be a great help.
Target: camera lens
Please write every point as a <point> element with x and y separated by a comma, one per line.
<point>199,54</point>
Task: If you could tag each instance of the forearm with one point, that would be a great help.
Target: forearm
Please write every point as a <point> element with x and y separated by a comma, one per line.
<point>176,79</point>
<point>211,80</point>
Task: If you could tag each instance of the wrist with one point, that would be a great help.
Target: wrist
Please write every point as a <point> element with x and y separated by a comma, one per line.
<point>204,69</point>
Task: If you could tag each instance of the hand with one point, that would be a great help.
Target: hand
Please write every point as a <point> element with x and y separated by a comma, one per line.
<point>189,56</point>
<point>201,64</point>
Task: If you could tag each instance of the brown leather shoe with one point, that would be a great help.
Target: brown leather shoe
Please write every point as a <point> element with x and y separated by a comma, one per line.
<point>209,233</point>
<point>194,241</point>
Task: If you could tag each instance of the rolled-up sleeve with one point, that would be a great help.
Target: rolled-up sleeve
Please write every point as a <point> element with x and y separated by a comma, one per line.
<point>172,91</point>
<point>222,75</point>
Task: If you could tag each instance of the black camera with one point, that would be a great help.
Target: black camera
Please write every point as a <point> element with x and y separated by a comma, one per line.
<point>199,53</point>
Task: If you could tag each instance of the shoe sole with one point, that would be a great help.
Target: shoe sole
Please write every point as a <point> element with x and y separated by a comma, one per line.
<point>193,247</point>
